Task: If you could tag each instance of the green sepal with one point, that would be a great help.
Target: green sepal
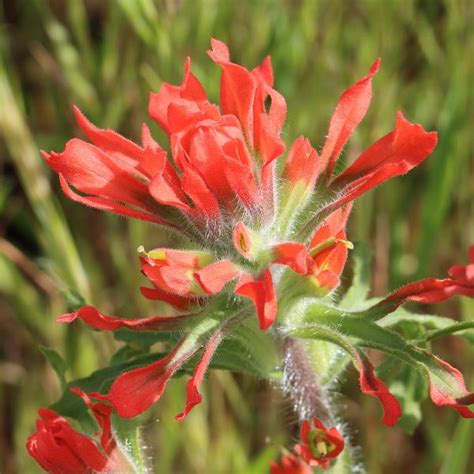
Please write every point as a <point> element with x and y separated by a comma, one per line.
<point>358,291</point>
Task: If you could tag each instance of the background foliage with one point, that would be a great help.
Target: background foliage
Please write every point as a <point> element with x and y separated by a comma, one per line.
<point>105,56</point>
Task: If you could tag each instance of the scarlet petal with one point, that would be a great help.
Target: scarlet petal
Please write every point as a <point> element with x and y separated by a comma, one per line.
<point>393,155</point>
<point>302,163</point>
<point>94,318</point>
<point>262,293</point>
<point>295,255</point>
<point>314,431</point>
<point>126,154</point>
<point>215,276</point>
<point>349,112</point>
<point>331,259</point>
<point>372,385</point>
<point>112,206</point>
<point>179,302</point>
<point>190,95</point>
<point>265,71</point>
<point>193,397</point>
<point>238,87</point>
<point>90,170</point>
<point>428,291</point>
<point>102,414</point>
<point>195,187</point>
<point>135,391</point>
<point>456,394</point>
<point>268,125</point>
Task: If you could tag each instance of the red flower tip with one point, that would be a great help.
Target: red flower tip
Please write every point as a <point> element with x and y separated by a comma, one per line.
<point>350,110</point>
<point>370,384</point>
<point>395,154</point>
<point>58,448</point>
<point>135,391</point>
<point>319,445</point>
<point>433,290</point>
<point>193,397</point>
<point>374,69</point>
<point>219,51</point>
<point>262,293</point>
<point>302,164</point>
<point>97,320</point>
<point>290,464</point>
<point>215,276</point>
<point>453,393</point>
<point>295,255</point>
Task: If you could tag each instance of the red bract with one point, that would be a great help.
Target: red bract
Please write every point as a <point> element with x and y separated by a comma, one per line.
<point>302,164</point>
<point>97,320</point>
<point>318,444</point>
<point>370,384</point>
<point>393,155</point>
<point>432,290</point>
<point>187,274</point>
<point>290,464</point>
<point>243,94</point>
<point>326,256</point>
<point>59,449</point>
<point>238,221</point>
<point>135,391</point>
<point>453,394</point>
<point>262,293</point>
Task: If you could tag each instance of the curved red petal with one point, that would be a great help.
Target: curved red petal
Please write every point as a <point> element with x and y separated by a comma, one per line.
<point>350,110</point>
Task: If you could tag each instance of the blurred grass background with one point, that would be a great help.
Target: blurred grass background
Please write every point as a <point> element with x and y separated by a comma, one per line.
<point>105,56</point>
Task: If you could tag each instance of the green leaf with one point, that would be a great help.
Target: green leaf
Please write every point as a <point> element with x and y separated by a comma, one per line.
<point>320,320</point>
<point>360,285</point>
<point>57,363</point>
<point>457,456</point>
<point>74,300</point>
<point>145,339</point>
<point>410,388</point>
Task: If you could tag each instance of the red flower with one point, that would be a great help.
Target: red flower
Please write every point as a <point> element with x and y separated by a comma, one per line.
<point>262,293</point>
<point>326,256</point>
<point>59,449</point>
<point>243,94</point>
<point>187,274</point>
<point>111,173</point>
<point>319,445</point>
<point>290,464</point>
<point>219,190</point>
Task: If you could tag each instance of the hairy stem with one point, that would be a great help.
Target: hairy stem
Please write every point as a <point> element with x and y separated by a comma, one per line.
<point>301,383</point>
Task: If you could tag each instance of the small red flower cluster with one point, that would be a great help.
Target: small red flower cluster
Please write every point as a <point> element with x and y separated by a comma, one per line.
<point>317,448</point>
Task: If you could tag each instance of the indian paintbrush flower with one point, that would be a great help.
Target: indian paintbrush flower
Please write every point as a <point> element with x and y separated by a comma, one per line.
<point>252,240</point>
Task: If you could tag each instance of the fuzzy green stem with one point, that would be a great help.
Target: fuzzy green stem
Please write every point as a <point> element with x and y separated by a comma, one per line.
<point>136,450</point>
